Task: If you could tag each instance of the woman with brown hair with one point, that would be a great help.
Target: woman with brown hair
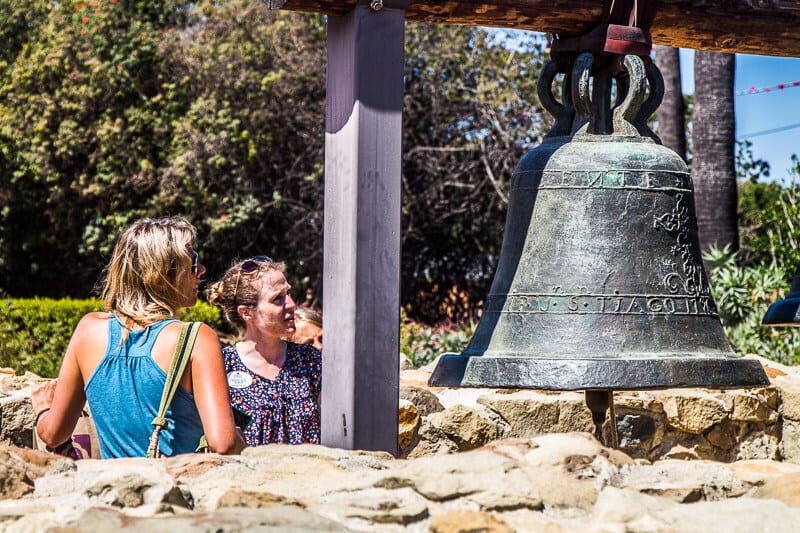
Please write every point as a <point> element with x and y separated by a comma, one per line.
<point>272,380</point>
<point>118,359</point>
<point>308,327</point>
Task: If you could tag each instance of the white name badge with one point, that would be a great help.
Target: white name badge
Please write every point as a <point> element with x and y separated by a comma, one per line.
<point>239,380</point>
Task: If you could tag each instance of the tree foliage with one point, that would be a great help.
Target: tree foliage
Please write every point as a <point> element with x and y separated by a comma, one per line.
<point>745,283</point>
<point>111,110</point>
<point>470,115</point>
<point>775,237</point>
<point>115,110</point>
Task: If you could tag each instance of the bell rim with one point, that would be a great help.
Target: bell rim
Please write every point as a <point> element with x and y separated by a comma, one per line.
<point>569,374</point>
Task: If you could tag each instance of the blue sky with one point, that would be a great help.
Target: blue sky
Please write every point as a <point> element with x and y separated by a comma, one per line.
<point>758,115</point>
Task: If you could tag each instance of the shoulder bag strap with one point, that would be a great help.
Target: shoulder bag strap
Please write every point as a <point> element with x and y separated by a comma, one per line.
<point>176,368</point>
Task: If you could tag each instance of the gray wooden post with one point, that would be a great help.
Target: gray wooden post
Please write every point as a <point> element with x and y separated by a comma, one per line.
<point>361,291</point>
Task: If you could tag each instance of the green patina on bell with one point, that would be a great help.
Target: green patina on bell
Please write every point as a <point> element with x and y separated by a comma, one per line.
<point>600,283</point>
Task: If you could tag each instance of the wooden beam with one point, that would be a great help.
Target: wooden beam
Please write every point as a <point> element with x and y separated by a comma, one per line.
<point>765,27</point>
<point>361,265</point>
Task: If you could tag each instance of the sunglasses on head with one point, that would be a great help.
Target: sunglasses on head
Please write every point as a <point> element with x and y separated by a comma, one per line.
<point>248,267</point>
<point>253,264</point>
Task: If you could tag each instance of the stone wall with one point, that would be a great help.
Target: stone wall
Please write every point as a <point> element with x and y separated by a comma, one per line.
<point>554,482</point>
<point>477,460</point>
<point>729,425</point>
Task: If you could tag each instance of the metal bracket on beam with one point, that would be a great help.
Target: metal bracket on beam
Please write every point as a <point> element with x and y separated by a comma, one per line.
<point>377,5</point>
<point>274,4</point>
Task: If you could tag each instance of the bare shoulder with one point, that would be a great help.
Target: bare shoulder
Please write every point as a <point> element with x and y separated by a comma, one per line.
<point>89,342</point>
<point>95,317</point>
<point>206,343</point>
<point>204,334</point>
<point>91,324</point>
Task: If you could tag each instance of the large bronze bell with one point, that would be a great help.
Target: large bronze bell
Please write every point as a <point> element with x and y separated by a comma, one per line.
<point>600,283</point>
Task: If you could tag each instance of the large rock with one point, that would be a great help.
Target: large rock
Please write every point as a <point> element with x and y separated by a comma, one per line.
<point>627,510</point>
<point>789,388</point>
<point>784,488</point>
<point>683,481</point>
<point>21,467</point>
<point>408,419</point>
<point>423,399</point>
<point>16,413</point>
<point>530,413</point>
<point>694,411</point>
<point>122,483</point>
<point>790,441</point>
<point>463,520</point>
<point>275,518</point>
<point>568,469</point>
<point>466,427</point>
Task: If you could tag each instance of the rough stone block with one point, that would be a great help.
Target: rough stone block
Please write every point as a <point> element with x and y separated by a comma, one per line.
<point>408,420</point>
<point>16,419</point>
<point>789,388</point>
<point>695,411</point>
<point>790,441</point>
<point>752,406</point>
<point>530,413</point>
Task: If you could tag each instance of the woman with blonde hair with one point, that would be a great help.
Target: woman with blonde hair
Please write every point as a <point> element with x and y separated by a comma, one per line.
<point>118,359</point>
<point>272,380</point>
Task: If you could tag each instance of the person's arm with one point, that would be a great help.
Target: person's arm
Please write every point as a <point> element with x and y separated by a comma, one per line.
<point>210,388</point>
<point>58,403</point>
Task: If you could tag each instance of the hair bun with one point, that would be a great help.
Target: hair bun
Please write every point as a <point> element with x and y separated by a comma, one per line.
<point>214,294</point>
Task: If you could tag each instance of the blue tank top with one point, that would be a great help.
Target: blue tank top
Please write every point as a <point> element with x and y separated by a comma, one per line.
<point>124,394</point>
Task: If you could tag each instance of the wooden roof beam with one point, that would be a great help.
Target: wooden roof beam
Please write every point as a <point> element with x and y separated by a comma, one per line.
<point>765,27</point>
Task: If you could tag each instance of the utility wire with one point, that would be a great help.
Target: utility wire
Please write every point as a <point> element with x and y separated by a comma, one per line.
<point>769,132</point>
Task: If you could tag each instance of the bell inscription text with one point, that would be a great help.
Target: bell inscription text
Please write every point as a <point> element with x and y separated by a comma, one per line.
<point>668,181</point>
<point>581,304</point>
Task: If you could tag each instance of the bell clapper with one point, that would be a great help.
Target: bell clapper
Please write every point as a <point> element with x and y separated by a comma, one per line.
<point>612,416</point>
<point>601,404</point>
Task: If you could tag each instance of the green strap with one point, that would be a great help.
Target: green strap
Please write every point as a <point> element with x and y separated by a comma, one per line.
<point>180,359</point>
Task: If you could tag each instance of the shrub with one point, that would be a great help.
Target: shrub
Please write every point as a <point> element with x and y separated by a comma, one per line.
<point>422,343</point>
<point>743,295</point>
<point>34,333</point>
<point>768,222</point>
<point>203,312</point>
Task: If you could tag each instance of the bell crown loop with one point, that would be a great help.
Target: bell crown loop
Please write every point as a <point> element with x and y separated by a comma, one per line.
<point>586,104</point>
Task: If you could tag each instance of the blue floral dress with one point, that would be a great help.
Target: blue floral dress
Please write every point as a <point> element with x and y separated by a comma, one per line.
<point>283,410</point>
